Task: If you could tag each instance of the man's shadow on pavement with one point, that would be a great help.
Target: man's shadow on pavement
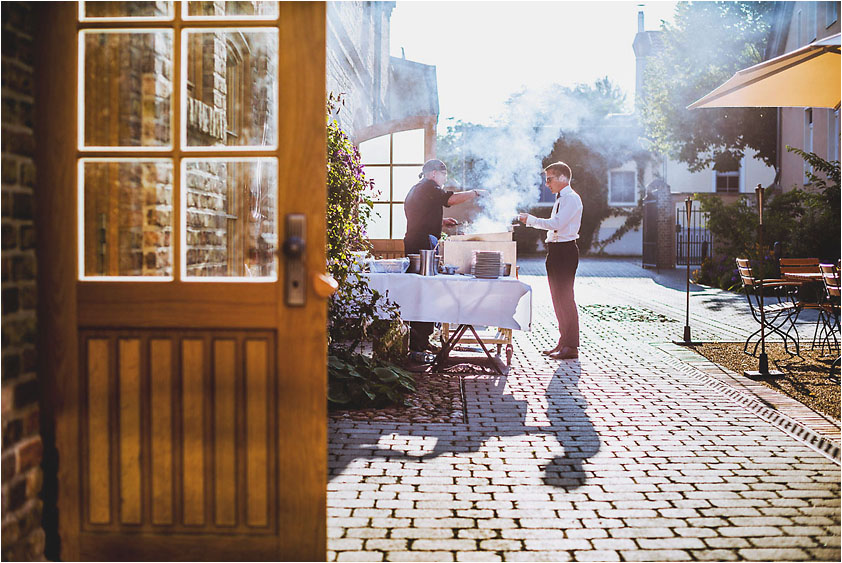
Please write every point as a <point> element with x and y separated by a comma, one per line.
<point>570,424</point>
<point>494,411</point>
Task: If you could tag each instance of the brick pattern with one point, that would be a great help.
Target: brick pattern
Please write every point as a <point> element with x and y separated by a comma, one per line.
<point>22,535</point>
<point>620,456</point>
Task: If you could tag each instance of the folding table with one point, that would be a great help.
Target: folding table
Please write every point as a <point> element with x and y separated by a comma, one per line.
<point>460,300</point>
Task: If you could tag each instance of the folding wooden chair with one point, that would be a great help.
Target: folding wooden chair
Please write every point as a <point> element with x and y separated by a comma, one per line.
<point>829,312</point>
<point>774,317</point>
<point>811,292</point>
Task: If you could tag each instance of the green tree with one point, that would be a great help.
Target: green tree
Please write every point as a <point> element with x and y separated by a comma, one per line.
<point>707,43</point>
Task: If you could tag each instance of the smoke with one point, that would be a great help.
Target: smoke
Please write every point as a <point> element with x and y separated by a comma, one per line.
<point>506,159</point>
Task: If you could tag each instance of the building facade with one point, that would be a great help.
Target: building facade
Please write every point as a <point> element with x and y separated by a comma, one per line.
<point>810,129</point>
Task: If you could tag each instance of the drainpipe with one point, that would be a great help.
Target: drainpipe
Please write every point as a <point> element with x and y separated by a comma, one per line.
<point>778,146</point>
<point>378,40</point>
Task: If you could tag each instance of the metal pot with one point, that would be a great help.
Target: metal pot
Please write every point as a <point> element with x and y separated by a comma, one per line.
<point>429,263</point>
<point>414,263</point>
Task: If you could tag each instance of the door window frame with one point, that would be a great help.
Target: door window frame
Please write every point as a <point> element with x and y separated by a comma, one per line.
<point>180,23</point>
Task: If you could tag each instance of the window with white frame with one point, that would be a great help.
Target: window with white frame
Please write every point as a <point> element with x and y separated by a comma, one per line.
<point>621,185</point>
<point>808,141</point>
<point>831,13</point>
<point>833,135</point>
<point>394,162</point>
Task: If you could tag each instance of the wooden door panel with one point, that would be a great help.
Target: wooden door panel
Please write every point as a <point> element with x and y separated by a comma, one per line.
<point>177,433</point>
<point>161,430</point>
<point>210,468</point>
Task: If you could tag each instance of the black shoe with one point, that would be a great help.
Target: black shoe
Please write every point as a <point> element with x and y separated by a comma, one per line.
<point>566,353</point>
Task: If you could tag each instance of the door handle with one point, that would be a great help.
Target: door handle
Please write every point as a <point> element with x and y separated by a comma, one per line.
<point>295,243</point>
<point>324,285</point>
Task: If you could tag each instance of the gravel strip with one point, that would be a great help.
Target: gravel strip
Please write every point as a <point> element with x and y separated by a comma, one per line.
<point>806,379</point>
<point>437,399</point>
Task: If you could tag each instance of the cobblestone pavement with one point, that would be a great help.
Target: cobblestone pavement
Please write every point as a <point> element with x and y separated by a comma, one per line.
<point>628,454</point>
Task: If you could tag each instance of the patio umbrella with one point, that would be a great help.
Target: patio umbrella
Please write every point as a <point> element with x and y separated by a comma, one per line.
<point>806,77</point>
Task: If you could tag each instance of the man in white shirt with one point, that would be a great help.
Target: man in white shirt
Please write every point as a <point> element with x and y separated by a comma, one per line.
<point>562,256</point>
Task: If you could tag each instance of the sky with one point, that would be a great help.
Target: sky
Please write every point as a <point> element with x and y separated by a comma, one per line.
<point>484,51</point>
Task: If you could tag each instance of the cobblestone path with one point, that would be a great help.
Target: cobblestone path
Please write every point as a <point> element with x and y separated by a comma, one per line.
<point>628,454</point>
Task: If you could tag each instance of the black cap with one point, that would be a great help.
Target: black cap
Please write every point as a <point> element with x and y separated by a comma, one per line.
<point>433,164</point>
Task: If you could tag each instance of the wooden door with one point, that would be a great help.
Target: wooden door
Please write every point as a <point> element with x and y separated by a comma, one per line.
<point>188,398</point>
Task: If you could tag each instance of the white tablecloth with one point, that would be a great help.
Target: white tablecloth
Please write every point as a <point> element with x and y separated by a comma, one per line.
<point>504,302</point>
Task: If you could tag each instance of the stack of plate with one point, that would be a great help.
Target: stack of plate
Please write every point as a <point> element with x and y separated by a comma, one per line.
<point>486,264</point>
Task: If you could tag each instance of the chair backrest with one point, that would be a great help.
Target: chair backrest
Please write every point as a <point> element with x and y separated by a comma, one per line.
<point>799,265</point>
<point>830,276</point>
<point>746,275</point>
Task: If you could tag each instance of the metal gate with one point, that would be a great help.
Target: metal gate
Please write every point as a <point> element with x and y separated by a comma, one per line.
<point>650,231</point>
<point>697,231</point>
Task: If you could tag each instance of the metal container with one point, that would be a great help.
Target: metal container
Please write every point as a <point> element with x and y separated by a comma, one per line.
<point>429,262</point>
<point>414,263</point>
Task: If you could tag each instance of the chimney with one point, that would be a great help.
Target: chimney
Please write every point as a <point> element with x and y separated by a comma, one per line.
<point>640,21</point>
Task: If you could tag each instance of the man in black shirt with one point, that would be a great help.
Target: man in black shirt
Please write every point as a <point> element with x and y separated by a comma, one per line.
<point>424,209</point>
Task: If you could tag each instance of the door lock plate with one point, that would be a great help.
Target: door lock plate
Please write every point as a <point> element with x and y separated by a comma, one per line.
<point>294,248</point>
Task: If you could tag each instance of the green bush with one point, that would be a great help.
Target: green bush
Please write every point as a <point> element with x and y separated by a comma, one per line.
<point>805,222</point>
<point>353,379</point>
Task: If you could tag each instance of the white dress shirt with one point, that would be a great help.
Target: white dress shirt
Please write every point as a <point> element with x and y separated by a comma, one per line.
<point>565,220</point>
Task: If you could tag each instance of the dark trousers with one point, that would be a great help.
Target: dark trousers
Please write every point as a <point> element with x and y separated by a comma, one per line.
<point>562,262</point>
<point>419,332</point>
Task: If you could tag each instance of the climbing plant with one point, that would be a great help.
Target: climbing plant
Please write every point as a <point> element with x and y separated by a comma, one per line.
<point>356,313</point>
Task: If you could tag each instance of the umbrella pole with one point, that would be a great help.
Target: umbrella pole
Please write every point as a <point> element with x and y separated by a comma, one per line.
<point>763,360</point>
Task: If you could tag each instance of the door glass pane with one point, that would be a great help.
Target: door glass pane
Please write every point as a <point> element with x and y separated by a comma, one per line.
<point>380,175</point>
<point>127,90</point>
<point>231,217</point>
<point>127,226</point>
<point>398,221</point>
<point>231,88</point>
<point>139,9</point>
<point>378,223</point>
<point>260,9</point>
<point>408,147</point>
<point>375,151</point>
<point>404,177</point>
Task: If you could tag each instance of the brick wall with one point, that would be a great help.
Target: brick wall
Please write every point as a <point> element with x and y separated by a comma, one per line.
<point>358,61</point>
<point>22,536</point>
<point>666,226</point>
